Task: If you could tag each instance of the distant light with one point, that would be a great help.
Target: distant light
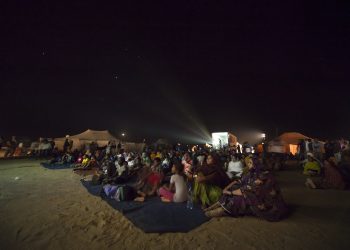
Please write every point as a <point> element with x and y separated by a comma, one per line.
<point>263,135</point>
<point>123,134</point>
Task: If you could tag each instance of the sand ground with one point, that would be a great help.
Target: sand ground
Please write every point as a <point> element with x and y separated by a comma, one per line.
<point>49,209</point>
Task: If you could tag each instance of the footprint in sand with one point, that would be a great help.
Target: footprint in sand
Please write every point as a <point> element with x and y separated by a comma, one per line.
<point>94,223</point>
<point>38,234</point>
<point>18,233</point>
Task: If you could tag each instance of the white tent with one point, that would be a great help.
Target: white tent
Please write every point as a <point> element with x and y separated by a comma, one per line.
<point>101,137</point>
<point>286,143</point>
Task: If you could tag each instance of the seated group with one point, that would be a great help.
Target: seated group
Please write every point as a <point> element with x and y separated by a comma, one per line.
<point>244,188</point>
<point>329,174</point>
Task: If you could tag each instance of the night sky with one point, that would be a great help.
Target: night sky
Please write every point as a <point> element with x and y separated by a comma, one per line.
<point>172,69</point>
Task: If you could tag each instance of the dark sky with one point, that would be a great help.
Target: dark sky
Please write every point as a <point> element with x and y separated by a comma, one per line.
<point>172,69</point>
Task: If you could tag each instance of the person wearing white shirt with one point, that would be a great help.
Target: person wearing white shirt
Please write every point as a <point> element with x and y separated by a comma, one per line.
<point>235,168</point>
<point>121,166</point>
<point>177,190</point>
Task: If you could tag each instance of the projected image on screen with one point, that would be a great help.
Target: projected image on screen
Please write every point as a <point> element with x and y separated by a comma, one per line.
<point>220,140</point>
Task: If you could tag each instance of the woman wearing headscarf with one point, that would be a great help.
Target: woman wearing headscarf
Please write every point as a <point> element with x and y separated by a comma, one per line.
<point>257,193</point>
<point>312,166</point>
<point>209,180</point>
<point>332,177</point>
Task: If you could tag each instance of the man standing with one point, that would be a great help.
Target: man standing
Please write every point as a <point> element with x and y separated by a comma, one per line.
<point>66,145</point>
<point>317,149</point>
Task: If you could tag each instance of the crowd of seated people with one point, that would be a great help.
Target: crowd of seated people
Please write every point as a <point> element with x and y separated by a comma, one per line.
<point>14,147</point>
<point>225,182</point>
<point>329,169</point>
<point>208,173</point>
<point>228,183</point>
<point>330,174</point>
<point>211,178</point>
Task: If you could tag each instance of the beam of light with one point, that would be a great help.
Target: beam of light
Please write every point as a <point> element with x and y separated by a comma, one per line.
<point>191,122</point>
<point>252,136</point>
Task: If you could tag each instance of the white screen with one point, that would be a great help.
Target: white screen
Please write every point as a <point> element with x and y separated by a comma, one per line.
<point>220,139</point>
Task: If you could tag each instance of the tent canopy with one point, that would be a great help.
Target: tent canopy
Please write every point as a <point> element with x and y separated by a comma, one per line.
<point>292,137</point>
<point>95,135</point>
<point>286,143</point>
<point>101,137</point>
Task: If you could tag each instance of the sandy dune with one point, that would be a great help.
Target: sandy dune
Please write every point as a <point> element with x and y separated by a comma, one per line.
<point>49,209</point>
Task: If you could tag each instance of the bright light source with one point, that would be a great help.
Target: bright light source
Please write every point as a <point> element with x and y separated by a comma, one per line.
<point>123,134</point>
<point>220,139</point>
<point>263,135</point>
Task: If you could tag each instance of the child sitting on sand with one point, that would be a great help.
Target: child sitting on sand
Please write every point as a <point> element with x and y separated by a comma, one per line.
<point>149,181</point>
<point>177,190</point>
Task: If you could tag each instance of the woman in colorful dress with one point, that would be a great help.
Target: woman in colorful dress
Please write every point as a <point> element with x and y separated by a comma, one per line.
<point>257,193</point>
<point>209,180</point>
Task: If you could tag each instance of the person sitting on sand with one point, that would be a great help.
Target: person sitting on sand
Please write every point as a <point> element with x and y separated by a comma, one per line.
<point>177,190</point>
<point>332,177</point>
<point>235,167</point>
<point>109,171</point>
<point>201,158</point>
<point>88,162</point>
<point>106,161</point>
<point>137,165</point>
<point>85,161</point>
<point>121,166</point>
<point>153,155</point>
<point>311,167</point>
<point>257,193</point>
<point>209,180</point>
<point>117,173</point>
<point>148,184</point>
<point>145,159</point>
<point>344,166</point>
<point>67,158</point>
<point>187,163</point>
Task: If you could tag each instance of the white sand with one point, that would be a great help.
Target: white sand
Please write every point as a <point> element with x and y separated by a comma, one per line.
<point>49,209</point>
